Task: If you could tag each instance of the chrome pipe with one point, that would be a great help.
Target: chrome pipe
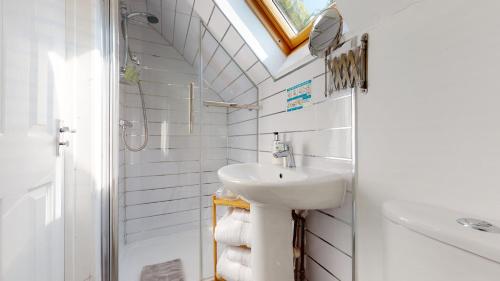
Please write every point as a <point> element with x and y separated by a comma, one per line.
<point>124,24</point>
<point>110,144</point>
<point>191,95</point>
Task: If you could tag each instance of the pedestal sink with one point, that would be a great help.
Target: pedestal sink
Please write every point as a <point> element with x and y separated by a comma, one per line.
<point>273,192</point>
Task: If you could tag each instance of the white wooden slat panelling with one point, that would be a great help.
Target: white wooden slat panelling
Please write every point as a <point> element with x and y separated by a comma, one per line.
<point>185,6</point>
<point>333,260</point>
<point>257,73</point>
<point>168,19</point>
<point>331,230</point>
<point>208,47</point>
<point>243,142</point>
<point>156,182</point>
<point>192,45</point>
<point>204,9</point>
<point>155,49</point>
<point>243,156</point>
<point>145,33</point>
<point>244,128</point>
<point>155,5</point>
<point>162,184</point>
<point>139,236</point>
<point>229,74</point>
<point>241,115</point>
<point>160,208</point>
<point>321,137</point>
<point>324,143</point>
<point>241,85</point>
<point>245,58</point>
<point>216,64</point>
<point>232,41</point>
<point>209,177</point>
<point>218,24</point>
<point>315,272</point>
<point>148,196</point>
<point>181,28</point>
<point>156,222</point>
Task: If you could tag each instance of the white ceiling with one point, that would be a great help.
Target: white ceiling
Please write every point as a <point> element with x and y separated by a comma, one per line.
<point>231,68</point>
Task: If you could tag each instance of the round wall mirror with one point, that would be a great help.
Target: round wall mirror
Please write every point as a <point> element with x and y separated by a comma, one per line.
<point>326,32</point>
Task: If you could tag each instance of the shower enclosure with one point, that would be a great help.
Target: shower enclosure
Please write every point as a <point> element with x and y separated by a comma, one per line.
<point>171,144</point>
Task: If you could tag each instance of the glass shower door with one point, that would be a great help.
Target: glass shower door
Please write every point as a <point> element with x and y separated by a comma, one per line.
<point>160,186</point>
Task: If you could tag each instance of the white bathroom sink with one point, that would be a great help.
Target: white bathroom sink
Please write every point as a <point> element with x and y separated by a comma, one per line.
<point>273,192</point>
<point>295,188</point>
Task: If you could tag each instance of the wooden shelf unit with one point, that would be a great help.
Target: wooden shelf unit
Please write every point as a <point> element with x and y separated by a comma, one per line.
<point>227,202</point>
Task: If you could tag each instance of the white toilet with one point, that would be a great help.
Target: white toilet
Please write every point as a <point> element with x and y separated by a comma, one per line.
<point>426,243</point>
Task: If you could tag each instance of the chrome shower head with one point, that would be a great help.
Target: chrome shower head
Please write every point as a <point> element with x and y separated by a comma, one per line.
<point>126,16</point>
<point>153,19</point>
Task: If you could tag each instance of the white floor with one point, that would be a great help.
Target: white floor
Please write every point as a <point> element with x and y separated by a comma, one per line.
<point>183,245</point>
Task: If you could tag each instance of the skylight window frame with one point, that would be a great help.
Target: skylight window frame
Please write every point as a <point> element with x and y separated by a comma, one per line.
<point>276,23</point>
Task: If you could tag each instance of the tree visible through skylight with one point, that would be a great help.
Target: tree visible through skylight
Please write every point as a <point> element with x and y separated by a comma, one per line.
<point>299,13</point>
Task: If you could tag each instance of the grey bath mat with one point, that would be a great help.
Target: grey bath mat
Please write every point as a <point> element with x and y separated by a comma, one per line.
<point>167,271</point>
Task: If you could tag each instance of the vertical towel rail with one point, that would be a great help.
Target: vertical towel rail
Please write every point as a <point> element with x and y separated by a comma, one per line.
<point>191,94</point>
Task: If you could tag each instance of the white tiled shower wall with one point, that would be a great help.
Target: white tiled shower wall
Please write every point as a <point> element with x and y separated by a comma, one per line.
<point>161,184</point>
<point>159,187</point>
<point>321,137</point>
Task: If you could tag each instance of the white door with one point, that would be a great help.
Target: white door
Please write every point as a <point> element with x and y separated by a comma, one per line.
<point>33,97</point>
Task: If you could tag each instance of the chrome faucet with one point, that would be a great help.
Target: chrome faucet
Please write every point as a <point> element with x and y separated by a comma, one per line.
<point>287,153</point>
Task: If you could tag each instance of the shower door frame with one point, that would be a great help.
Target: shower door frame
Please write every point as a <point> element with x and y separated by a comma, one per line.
<point>110,142</point>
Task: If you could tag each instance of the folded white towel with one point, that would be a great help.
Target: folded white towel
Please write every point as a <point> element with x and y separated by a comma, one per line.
<point>240,214</point>
<point>239,255</point>
<point>232,271</point>
<point>232,231</point>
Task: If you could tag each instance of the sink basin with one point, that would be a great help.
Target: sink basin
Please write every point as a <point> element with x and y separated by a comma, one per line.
<point>273,192</point>
<point>295,188</point>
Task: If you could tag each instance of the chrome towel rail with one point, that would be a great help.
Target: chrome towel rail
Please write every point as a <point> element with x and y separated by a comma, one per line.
<point>231,105</point>
<point>191,94</point>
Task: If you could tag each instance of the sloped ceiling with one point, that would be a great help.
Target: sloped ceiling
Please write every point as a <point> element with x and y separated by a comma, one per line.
<point>231,68</point>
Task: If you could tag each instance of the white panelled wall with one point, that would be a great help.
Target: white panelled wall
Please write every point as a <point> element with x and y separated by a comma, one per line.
<point>161,190</point>
<point>321,137</point>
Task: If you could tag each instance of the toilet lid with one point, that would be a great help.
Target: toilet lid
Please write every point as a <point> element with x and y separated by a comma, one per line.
<point>441,224</point>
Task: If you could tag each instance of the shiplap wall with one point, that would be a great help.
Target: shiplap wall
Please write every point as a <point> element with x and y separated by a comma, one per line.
<point>219,65</point>
<point>321,137</point>
<point>121,176</point>
<point>163,183</point>
<point>224,75</point>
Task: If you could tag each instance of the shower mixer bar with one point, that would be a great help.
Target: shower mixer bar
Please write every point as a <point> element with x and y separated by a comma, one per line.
<point>231,105</point>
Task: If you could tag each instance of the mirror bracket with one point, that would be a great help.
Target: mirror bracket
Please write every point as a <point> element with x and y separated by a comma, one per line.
<point>347,70</point>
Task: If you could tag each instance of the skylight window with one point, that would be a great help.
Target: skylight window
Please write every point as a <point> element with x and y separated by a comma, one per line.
<point>299,13</point>
<point>288,21</point>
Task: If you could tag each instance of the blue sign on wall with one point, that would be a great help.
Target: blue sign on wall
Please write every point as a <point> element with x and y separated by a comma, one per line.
<point>299,96</point>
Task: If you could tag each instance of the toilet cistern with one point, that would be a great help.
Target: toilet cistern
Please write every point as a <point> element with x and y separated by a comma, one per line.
<point>283,150</point>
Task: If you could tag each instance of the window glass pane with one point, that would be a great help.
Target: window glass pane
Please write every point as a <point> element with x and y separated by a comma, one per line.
<point>298,13</point>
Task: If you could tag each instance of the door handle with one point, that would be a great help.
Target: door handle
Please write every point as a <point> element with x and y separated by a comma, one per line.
<point>60,136</point>
<point>65,143</point>
<point>66,130</point>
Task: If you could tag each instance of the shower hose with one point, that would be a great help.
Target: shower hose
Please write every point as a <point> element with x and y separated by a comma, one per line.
<point>144,118</point>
